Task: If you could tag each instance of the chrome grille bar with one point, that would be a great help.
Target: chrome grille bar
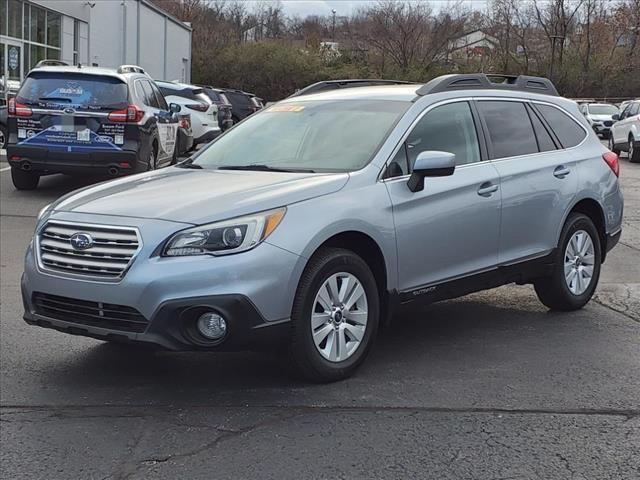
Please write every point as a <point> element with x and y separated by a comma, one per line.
<point>111,251</point>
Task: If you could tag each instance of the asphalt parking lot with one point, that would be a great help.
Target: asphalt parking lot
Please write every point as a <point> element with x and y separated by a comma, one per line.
<point>487,386</point>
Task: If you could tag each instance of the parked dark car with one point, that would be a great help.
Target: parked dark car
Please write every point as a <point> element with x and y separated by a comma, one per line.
<point>88,120</point>
<point>243,103</point>
<point>3,128</point>
<point>225,109</point>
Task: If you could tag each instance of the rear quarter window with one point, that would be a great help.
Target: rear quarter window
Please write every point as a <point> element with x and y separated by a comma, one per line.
<point>568,131</point>
<point>79,91</point>
<point>510,128</point>
<point>239,98</point>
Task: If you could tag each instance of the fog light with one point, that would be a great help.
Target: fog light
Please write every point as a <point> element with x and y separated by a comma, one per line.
<point>212,326</point>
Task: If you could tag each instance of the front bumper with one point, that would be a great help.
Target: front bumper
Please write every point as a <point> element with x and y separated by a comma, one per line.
<point>601,129</point>
<point>252,290</point>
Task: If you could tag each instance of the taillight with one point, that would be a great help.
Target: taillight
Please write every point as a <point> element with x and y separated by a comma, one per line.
<point>131,114</point>
<point>18,109</point>
<point>199,107</point>
<point>184,123</point>
<point>612,160</point>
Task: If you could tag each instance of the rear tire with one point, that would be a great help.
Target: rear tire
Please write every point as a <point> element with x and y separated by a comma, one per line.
<point>24,180</point>
<point>338,345</point>
<point>633,151</point>
<point>565,289</point>
<point>4,137</point>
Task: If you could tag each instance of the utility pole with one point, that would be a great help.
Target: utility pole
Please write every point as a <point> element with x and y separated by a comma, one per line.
<point>333,25</point>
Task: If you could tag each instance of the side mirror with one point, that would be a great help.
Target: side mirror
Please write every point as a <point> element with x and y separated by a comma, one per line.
<point>174,108</point>
<point>616,116</point>
<point>431,163</point>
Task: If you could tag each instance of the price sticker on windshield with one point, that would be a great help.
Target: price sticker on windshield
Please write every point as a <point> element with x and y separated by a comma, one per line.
<point>286,108</point>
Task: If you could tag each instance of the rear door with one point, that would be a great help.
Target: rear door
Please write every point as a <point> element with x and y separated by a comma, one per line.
<point>450,228</point>
<point>539,180</point>
<point>72,113</point>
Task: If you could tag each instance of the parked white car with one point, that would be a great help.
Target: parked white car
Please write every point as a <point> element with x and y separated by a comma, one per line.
<point>194,100</point>
<point>625,133</point>
<point>599,116</point>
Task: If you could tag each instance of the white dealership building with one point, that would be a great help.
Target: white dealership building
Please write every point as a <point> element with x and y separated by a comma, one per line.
<point>106,33</point>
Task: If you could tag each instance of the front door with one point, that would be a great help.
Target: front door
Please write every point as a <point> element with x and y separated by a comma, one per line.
<point>450,228</point>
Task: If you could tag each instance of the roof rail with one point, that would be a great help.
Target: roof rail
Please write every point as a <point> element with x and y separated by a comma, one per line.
<point>347,83</point>
<point>130,69</point>
<point>482,81</point>
<point>51,63</point>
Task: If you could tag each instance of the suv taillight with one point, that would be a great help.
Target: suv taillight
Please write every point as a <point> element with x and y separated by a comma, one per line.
<point>18,109</point>
<point>199,107</point>
<point>612,160</point>
<point>131,114</point>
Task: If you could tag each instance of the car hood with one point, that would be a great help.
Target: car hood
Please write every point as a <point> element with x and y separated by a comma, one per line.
<point>199,196</point>
<point>600,118</point>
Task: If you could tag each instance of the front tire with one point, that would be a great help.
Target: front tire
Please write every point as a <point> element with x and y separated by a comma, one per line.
<point>24,180</point>
<point>4,137</point>
<point>335,315</point>
<point>633,151</point>
<point>577,267</point>
<point>612,146</point>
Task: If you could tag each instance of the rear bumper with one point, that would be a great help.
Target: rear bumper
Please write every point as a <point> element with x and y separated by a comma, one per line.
<point>43,160</point>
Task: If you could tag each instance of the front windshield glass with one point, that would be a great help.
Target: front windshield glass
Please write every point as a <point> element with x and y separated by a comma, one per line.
<point>602,110</point>
<point>319,136</point>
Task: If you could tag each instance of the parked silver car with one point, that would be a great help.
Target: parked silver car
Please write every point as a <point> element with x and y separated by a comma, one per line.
<point>313,222</point>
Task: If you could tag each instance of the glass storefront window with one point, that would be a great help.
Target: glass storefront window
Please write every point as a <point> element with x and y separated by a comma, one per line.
<point>53,29</point>
<point>37,54</point>
<point>38,20</point>
<point>3,17</point>
<point>14,19</point>
<point>53,54</point>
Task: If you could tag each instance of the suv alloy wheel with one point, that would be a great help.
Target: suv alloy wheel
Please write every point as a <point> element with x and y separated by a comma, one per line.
<point>335,315</point>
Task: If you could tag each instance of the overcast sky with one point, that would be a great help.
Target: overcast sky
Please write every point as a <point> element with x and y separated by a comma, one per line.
<point>346,7</point>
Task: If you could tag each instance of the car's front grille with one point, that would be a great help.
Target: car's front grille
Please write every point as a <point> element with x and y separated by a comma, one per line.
<point>103,251</point>
<point>608,123</point>
<point>95,314</point>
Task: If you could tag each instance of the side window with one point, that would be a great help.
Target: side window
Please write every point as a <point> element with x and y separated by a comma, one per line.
<point>634,109</point>
<point>159,97</point>
<point>449,128</point>
<point>398,166</point>
<point>545,142</point>
<point>510,128</point>
<point>152,101</point>
<point>566,129</point>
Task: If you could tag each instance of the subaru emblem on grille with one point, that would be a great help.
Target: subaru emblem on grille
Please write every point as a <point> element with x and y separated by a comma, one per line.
<point>81,241</point>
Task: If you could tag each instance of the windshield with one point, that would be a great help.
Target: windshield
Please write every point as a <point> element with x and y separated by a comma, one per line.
<point>321,136</point>
<point>602,110</point>
<point>79,91</point>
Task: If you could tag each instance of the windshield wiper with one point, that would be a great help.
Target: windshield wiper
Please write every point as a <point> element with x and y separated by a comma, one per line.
<point>265,168</point>
<point>56,99</point>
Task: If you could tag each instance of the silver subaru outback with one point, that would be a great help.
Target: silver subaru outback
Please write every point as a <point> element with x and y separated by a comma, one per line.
<point>310,224</point>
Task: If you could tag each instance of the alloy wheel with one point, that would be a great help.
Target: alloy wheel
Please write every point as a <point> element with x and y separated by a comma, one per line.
<point>3,140</point>
<point>339,316</point>
<point>579,259</point>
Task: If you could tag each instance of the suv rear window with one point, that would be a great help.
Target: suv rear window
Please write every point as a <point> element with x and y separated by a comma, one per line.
<point>566,129</point>
<point>240,98</point>
<point>79,91</point>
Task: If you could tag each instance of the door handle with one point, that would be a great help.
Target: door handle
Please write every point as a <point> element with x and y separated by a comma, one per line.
<point>487,189</point>
<point>561,171</point>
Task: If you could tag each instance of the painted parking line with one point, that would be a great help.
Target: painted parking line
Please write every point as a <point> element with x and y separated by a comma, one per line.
<point>4,169</point>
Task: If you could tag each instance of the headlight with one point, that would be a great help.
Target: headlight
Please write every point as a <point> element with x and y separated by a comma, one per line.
<point>44,210</point>
<point>226,237</point>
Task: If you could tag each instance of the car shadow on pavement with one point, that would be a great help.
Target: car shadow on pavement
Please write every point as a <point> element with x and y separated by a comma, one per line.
<point>460,335</point>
